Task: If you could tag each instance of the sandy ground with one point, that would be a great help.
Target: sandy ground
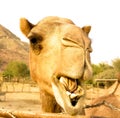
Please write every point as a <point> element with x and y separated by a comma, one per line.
<point>20,102</point>
<point>29,101</point>
<point>20,97</point>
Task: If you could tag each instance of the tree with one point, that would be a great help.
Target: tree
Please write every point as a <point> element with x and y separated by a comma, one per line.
<point>103,71</point>
<point>16,69</point>
<point>100,68</point>
<point>106,74</point>
<point>116,65</point>
<point>7,75</point>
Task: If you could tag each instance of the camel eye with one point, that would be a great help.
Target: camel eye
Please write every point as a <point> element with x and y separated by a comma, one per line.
<point>33,40</point>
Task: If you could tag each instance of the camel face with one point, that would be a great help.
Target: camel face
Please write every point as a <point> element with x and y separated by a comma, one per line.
<point>59,61</point>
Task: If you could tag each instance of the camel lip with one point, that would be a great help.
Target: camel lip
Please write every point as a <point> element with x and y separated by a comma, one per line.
<point>70,106</point>
<point>73,94</point>
<point>71,97</point>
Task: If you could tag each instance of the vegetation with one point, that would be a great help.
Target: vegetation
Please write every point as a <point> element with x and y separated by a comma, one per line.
<point>16,70</point>
<point>106,71</point>
<point>100,68</point>
<point>116,64</point>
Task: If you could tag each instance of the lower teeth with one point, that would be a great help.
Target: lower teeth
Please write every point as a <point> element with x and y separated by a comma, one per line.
<point>78,93</point>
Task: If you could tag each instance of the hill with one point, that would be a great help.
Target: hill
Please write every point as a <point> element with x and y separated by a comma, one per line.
<point>11,48</point>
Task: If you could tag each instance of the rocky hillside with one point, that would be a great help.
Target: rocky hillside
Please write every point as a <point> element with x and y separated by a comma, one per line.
<point>11,48</point>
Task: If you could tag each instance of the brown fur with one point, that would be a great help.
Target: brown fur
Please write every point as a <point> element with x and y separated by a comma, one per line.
<point>52,107</point>
<point>105,111</point>
<point>58,48</point>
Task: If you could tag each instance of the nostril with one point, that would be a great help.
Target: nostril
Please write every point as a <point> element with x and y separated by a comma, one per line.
<point>85,65</point>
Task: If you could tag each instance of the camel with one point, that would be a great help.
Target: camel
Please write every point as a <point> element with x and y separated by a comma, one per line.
<point>111,106</point>
<point>59,62</point>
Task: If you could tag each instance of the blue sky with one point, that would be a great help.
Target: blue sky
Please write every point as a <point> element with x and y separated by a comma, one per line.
<point>102,15</point>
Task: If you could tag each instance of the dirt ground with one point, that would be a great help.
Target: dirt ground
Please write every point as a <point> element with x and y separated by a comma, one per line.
<point>20,102</point>
<point>28,100</point>
<point>23,101</point>
<point>19,97</point>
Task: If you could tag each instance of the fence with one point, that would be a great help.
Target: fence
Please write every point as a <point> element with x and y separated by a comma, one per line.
<point>8,87</point>
<point>14,87</point>
<point>19,87</point>
<point>96,91</point>
<point>105,81</point>
<point>17,114</point>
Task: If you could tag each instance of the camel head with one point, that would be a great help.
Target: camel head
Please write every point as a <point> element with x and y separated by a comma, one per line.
<point>60,59</point>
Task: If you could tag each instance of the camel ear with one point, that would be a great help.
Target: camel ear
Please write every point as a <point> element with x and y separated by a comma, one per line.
<point>25,26</point>
<point>86,29</point>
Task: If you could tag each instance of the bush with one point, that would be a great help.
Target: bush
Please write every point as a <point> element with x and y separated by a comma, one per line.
<point>16,70</point>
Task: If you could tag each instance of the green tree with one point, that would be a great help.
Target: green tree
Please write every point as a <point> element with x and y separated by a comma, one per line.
<point>96,69</point>
<point>100,68</point>
<point>116,65</point>
<point>106,74</point>
<point>16,70</point>
<point>7,75</point>
<point>103,71</point>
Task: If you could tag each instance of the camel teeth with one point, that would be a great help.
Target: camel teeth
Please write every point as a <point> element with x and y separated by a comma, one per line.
<point>73,95</point>
<point>68,93</point>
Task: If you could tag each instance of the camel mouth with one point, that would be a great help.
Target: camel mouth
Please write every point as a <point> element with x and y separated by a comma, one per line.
<point>69,94</point>
<point>73,89</point>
